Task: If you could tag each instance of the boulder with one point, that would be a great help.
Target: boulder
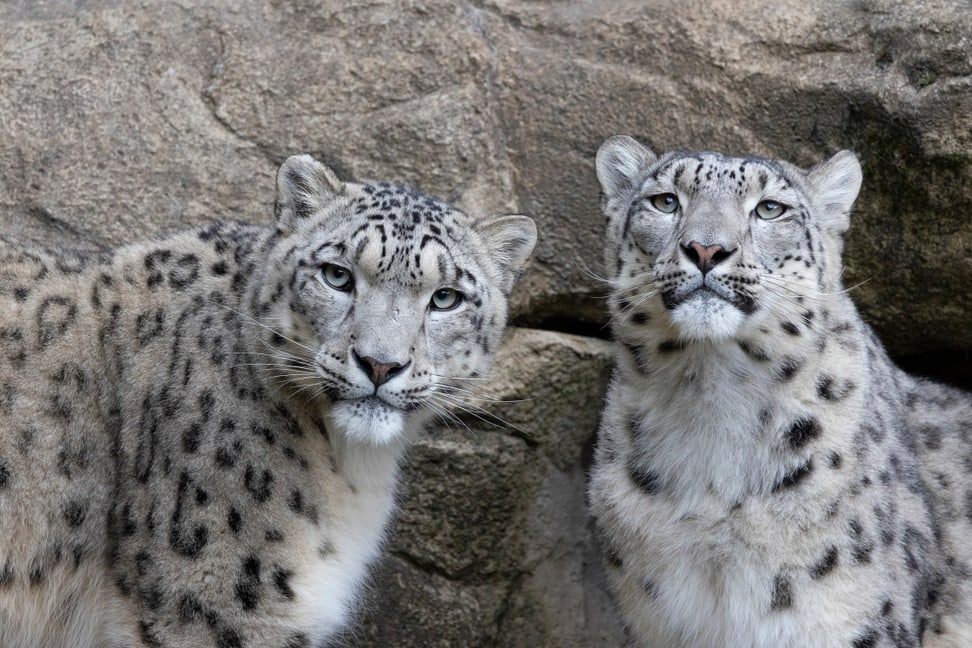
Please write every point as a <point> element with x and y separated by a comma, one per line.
<point>123,119</point>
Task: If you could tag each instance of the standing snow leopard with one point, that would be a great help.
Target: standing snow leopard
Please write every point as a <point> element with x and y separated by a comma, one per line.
<point>200,434</point>
<point>764,475</point>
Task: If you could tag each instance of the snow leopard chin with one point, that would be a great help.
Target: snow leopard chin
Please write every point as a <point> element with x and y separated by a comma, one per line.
<point>368,420</point>
<point>706,316</point>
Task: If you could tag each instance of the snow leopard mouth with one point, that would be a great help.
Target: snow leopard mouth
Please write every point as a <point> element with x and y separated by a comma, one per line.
<point>672,299</point>
<point>377,403</point>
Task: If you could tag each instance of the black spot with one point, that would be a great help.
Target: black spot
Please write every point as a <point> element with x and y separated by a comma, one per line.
<point>825,565</point>
<point>789,368</point>
<point>790,328</point>
<point>613,558</point>
<point>782,593</point>
<point>639,317</point>
<point>191,438</point>
<point>143,561</point>
<point>54,316</point>
<point>281,578</point>
<point>228,638</point>
<point>867,639</point>
<point>802,432</point>
<point>152,262</point>
<point>8,394</point>
<point>190,609</point>
<point>260,487</point>
<point>861,545</point>
<point>4,476</point>
<point>295,501</point>
<point>794,477</point>
<point>37,576</point>
<point>6,575</point>
<point>234,520</point>
<point>265,433</point>
<point>670,346</point>
<point>298,641</point>
<point>885,518</point>
<point>753,352</point>
<point>225,457</point>
<point>185,272</point>
<point>185,541</point>
<point>650,588</point>
<point>126,524</point>
<point>273,535</point>
<point>645,479</point>
<point>149,638</point>
<point>829,389</point>
<point>151,598</point>
<point>915,546</point>
<point>149,325</point>
<point>74,513</point>
<point>248,583</point>
<point>932,436</point>
<point>834,460</point>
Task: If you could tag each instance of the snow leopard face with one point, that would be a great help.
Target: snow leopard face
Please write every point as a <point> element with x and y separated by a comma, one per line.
<point>711,244</point>
<point>394,299</point>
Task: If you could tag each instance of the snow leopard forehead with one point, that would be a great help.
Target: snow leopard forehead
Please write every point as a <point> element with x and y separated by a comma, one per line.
<point>709,172</point>
<point>397,233</point>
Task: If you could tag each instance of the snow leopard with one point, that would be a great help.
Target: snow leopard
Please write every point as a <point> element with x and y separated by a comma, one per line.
<point>765,476</point>
<point>201,434</point>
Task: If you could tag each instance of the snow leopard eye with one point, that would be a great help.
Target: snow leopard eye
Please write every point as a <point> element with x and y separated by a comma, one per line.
<point>666,203</point>
<point>770,209</point>
<point>446,299</point>
<point>337,277</point>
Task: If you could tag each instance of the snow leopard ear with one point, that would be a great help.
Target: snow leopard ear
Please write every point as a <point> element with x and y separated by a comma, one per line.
<point>621,163</point>
<point>510,240</point>
<point>835,183</point>
<point>304,185</point>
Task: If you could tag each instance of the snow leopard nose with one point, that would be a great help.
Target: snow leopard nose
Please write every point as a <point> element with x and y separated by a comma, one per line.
<point>706,257</point>
<point>378,372</point>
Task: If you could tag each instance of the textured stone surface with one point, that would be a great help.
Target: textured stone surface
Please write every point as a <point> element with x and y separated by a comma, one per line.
<point>122,119</point>
<point>890,80</point>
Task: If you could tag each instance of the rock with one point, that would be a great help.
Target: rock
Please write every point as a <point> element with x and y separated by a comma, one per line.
<point>890,80</point>
<point>493,526</point>
<point>121,120</point>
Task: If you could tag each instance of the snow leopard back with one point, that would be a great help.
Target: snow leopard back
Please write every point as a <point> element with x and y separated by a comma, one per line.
<point>764,475</point>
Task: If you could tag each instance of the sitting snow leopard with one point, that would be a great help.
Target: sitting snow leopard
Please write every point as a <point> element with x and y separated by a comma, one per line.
<point>764,476</point>
<point>200,434</point>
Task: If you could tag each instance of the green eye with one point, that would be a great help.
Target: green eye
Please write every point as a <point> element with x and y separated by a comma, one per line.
<point>665,203</point>
<point>770,209</point>
<point>337,277</point>
<point>445,299</point>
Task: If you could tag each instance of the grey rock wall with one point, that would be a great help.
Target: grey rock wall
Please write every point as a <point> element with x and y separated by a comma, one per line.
<point>120,120</point>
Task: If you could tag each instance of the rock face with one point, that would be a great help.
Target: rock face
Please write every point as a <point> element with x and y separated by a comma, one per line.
<point>121,119</point>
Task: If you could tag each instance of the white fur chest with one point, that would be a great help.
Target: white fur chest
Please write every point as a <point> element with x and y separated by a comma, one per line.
<point>687,493</point>
<point>359,512</point>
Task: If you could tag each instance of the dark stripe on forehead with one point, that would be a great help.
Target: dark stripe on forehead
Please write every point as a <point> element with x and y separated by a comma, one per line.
<point>429,238</point>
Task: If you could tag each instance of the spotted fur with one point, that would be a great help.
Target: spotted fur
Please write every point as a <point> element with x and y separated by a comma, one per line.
<point>200,434</point>
<point>764,475</point>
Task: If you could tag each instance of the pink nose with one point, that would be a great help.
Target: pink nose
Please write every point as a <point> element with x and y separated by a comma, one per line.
<point>378,372</point>
<point>706,257</point>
